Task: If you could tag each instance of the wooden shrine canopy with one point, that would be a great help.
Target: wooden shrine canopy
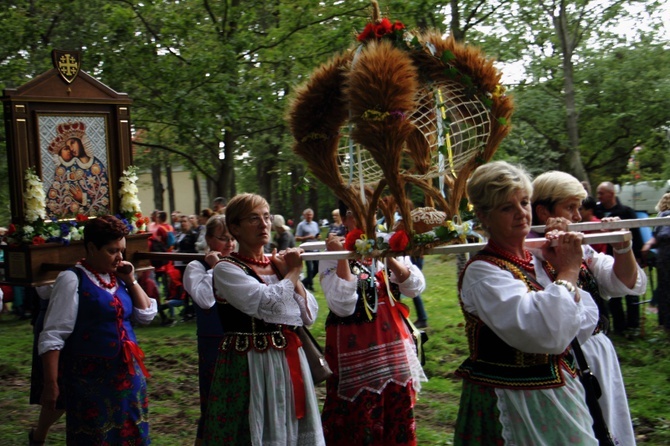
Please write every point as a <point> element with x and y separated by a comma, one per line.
<point>41,116</point>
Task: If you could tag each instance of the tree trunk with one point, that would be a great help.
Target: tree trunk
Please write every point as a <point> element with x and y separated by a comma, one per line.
<point>196,193</point>
<point>170,187</point>
<point>157,185</point>
<point>455,23</point>
<point>573,156</point>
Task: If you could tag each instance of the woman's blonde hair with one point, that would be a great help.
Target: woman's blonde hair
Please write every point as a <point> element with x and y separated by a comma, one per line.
<point>663,203</point>
<point>553,187</point>
<point>241,205</point>
<point>491,184</point>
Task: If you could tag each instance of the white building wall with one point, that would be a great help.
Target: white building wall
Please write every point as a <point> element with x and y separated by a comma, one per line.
<point>183,192</point>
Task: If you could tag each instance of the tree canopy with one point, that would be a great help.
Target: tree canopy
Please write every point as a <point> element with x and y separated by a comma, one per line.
<point>211,80</point>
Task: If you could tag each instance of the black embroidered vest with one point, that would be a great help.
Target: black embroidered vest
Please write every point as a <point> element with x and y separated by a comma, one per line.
<point>493,362</point>
<point>243,332</point>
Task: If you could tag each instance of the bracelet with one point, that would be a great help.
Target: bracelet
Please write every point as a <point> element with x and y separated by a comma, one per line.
<point>570,287</point>
<point>623,250</point>
<point>133,284</point>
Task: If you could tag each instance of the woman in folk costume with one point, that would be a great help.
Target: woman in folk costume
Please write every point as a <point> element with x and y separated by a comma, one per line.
<point>376,373</point>
<point>556,199</point>
<point>88,326</point>
<point>262,391</point>
<point>522,310</point>
<point>198,284</point>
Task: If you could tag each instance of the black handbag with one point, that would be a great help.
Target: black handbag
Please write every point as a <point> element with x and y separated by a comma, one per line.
<point>318,366</point>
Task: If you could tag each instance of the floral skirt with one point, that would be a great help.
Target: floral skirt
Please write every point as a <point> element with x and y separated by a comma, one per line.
<point>381,419</point>
<point>208,350</point>
<point>478,415</point>
<point>105,404</point>
<point>251,402</point>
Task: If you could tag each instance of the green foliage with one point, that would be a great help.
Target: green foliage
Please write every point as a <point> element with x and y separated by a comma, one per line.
<point>171,358</point>
<point>211,81</point>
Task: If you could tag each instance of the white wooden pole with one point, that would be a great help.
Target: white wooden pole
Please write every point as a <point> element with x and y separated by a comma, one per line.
<point>589,239</point>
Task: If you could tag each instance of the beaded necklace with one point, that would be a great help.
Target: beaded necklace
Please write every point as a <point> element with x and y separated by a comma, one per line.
<point>249,260</point>
<point>112,277</point>
<point>526,263</point>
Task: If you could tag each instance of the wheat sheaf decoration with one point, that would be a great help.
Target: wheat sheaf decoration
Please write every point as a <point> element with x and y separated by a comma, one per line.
<point>401,108</point>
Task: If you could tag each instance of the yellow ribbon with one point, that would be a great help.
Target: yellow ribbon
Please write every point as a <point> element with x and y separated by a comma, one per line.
<point>447,136</point>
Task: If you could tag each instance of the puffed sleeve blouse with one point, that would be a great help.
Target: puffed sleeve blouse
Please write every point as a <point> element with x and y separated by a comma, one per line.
<point>342,295</point>
<point>61,314</point>
<point>531,321</point>
<point>273,301</point>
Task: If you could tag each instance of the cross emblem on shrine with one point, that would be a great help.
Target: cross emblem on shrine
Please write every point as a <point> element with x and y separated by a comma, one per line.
<point>67,64</point>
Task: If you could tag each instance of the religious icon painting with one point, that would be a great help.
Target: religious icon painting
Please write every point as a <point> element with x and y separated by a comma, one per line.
<point>74,153</point>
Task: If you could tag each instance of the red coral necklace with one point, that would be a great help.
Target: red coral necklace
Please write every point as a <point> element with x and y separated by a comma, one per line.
<point>526,263</point>
<point>249,260</point>
<point>112,277</point>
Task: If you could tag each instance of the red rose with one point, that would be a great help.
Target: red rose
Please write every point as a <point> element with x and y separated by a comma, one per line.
<point>38,240</point>
<point>138,215</point>
<point>12,229</point>
<point>399,241</point>
<point>384,27</point>
<point>398,25</point>
<point>367,33</point>
<point>350,240</point>
<point>81,218</point>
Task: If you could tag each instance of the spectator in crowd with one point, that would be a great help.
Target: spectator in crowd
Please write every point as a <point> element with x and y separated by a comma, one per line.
<point>198,284</point>
<point>161,220</point>
<point>193,218</point>
<point>308,230</point>
<point>661,242</point>
<point>421,315</point>
<point>624,322</point>
<point>337,227</point>
<point>203,218</point>
<point>153,223</point>
<point>88,329</point>
<point>158,243</point>
<point>219,205</point>
<point>185,243</point>
<point>283,236</point>
<point>175,219</point>
<point>587,211</point>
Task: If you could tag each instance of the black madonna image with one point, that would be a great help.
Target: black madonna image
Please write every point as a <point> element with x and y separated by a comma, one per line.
<point>74,165</point>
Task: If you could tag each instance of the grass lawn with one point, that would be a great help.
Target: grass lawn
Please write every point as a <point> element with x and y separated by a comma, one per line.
<point>172,361</point>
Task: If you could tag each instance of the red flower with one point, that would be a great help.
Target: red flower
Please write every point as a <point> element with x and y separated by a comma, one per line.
<point>367,33</point>
<point>399,241</point>
<point>384,27</point>
<point>138,215</point>
<point>12,229</point>
<point>350,240</point>
<point>379,30</point>
<point>81,218</point>
<point>38,240</point>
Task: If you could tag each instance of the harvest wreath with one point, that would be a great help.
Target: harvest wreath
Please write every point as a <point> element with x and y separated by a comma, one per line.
<point>401,109</point>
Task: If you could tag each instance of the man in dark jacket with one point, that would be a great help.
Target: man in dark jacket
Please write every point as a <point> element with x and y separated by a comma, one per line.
<point>610,206</point>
